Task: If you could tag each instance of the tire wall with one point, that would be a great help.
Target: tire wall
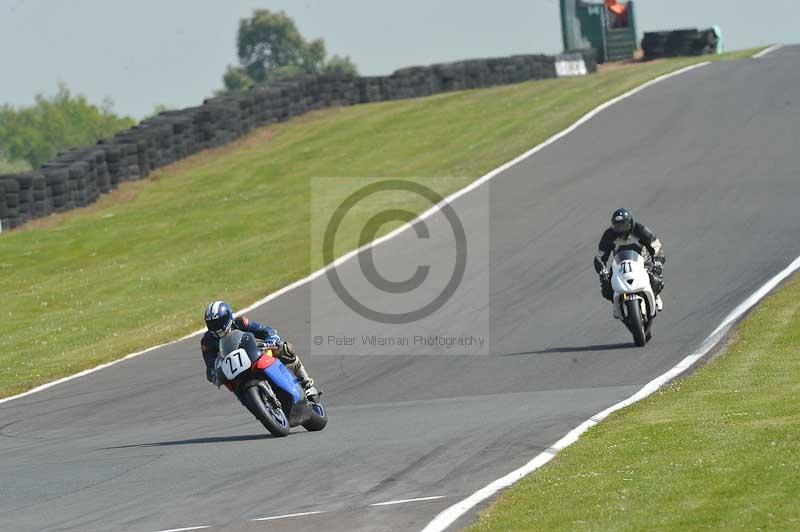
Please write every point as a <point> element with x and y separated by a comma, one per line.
<point>676,43</point>
<point>79,176</point>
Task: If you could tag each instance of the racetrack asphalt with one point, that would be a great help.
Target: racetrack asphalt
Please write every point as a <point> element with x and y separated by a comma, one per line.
<point>709,159</point>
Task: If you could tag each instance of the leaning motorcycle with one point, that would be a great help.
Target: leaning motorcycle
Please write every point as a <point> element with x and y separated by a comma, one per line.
<point>634,299</point>
<point>265,386</point>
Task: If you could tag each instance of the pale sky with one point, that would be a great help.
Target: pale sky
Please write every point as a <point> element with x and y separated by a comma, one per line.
<point>173,52</point>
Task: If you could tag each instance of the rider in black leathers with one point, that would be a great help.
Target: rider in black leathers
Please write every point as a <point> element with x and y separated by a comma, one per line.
<point>626,234</point>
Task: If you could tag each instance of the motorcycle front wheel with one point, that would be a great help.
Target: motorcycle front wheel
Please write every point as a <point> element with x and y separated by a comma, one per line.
<point>270,415</point>
<point>634,311</point>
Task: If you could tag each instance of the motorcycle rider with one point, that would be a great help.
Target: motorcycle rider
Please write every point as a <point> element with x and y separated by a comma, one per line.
<point>219,320</point>
<point>626,234</point>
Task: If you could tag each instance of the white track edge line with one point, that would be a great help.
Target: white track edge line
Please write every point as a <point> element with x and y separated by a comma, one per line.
<point>286,516</point>
<point>436,208</point>
<point>186,529</point>
<point>766,51</point>
<point>403,501</point>
<point>447,517</point>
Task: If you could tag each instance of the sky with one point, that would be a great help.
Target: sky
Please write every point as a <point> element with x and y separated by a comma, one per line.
<point>173,52</point>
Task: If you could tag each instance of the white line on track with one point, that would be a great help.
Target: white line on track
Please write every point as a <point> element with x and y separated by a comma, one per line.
<point>286,516</point>
<point>451,514</point>
<point>403,501</point>
<point>185,529</point>
<point>769,50</point>
<point>433,210</point>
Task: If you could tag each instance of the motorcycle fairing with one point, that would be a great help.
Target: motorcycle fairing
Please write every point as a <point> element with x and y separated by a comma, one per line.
<point>630,277</point>
<point>280,376</point>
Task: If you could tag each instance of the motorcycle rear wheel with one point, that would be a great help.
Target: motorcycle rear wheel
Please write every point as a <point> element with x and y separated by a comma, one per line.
<point>272,417</point>
<point>634,311</point>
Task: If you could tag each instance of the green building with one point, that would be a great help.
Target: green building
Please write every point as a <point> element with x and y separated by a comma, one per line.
<point>609,30</point>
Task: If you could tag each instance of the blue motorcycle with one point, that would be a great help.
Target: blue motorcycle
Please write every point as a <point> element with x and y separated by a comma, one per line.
<point>265,386</point>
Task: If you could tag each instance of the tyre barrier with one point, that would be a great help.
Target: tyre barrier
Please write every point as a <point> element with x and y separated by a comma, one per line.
<point>679,43</point>
<point>77,177</point>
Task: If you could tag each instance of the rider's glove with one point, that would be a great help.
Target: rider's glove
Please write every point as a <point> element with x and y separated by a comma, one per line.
<point>286,353</point>
<point>216,378</point>
<point>657,268</point>
<point>604,274</point>
<point>273,340</point>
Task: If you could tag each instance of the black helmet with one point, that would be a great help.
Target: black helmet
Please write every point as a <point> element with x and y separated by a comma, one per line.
<point>219,318</point>
<point>622,222</point>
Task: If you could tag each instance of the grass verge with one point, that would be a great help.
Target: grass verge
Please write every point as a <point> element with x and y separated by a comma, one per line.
<point>718,450</point>
<point>12,167</point>
<point>135,269</point>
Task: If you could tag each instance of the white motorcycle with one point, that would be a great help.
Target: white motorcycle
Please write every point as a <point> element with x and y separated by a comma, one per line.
<point>635,304</point>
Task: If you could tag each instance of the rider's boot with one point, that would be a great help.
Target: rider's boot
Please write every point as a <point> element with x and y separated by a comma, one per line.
<point>659,303</point>
<point>305,381</point>
<point>293,363</point>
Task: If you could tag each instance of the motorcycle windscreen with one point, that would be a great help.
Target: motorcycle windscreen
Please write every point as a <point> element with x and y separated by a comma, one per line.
<point>230,342</point>
<point>240,340</point>
<point>627,254</point>
<point>280,376</point>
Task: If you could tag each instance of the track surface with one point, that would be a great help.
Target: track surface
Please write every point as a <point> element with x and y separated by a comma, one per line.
<point>709,160</point>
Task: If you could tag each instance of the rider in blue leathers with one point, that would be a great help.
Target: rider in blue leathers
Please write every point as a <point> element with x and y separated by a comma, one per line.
<point>220,321</point>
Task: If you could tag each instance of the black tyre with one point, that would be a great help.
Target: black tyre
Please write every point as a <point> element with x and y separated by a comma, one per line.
<point>319,417</point>
<point>12,199</point>
<point>635,324</point>
<point>270,415</point>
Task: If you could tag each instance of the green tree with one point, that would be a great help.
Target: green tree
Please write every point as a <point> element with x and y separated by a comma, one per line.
<point>340,65</point>
<point>37,133</point>
<point>270,47</point>
<point>236,79</point>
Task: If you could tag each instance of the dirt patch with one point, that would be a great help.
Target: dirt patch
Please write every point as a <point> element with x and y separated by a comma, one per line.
<point>125,193</point>
<point>638,59</point>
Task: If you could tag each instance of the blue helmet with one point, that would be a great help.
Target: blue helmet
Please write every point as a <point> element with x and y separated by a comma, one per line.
<point>219,318</point>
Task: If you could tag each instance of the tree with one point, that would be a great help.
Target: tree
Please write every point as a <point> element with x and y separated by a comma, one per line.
<point>37,133</point>
<point>157,110</point>
<point>269,40</point>
<point>236,79</point>
<point>340,65</point>
<point>270,47</point>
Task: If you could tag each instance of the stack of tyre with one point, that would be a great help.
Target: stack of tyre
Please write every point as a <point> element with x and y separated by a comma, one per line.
<point>679,43</point>
<point>77,177</point>
<point>265,104</point>
<point>290,99</point>
<point>370,89</point>
<point>122,156</point>
<point>544,66</point>
<point>175,135</point>
<point>38,184</point>
<point>332,91</point>
<point>411,82</point>
<point>9,202</point>
<point>452,76</point>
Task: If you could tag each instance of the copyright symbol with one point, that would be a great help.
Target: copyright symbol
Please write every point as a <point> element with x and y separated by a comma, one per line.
<point>367,263</point>
<point>318,340</point>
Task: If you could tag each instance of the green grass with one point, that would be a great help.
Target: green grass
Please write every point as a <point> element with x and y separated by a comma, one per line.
<point>718,450</point>
<point>137,268</point>
<point>12,167</point>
